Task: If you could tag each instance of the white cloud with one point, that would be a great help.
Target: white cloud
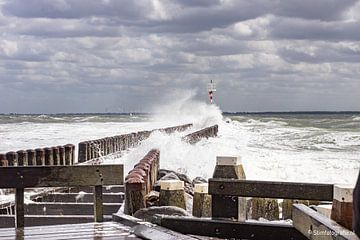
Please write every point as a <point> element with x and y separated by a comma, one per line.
<point>123,51</point>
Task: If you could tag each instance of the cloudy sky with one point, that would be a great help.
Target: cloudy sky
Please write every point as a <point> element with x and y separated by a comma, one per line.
<point>124,55</point>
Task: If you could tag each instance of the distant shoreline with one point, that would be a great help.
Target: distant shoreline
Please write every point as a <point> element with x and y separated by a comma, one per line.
<point>224,113</point>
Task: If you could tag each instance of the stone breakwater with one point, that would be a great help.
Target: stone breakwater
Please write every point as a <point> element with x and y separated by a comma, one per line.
<point>93,149</point>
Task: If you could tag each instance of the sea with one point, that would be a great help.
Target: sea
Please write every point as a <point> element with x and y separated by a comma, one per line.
<point>321,147</point>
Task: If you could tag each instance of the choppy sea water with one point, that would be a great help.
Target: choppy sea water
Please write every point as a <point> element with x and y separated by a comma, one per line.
<point>280,147</point>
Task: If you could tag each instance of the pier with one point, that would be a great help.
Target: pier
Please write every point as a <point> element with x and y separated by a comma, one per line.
<point>81,198</point>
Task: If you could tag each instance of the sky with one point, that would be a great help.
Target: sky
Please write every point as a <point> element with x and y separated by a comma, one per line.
<point>123,56</point>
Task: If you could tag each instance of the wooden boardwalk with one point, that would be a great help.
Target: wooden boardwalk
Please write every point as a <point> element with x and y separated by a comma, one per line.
<point>105,230</point>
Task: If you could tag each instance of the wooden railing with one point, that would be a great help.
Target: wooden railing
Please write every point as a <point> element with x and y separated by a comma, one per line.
<point>225,228</point>
<point>270,189</point>
<point>60,176</point>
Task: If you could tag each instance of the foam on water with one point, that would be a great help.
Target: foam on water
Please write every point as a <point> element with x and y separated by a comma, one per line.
<point>271,150</point>
<point>303,148</point>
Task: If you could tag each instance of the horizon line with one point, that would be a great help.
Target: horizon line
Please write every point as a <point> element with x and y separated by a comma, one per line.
<point>225,112</point>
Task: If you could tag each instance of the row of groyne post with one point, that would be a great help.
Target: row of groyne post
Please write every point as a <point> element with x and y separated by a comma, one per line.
<point>57,155</point>
<point>203,133</point>
<point>141,179</point>
<point>87,150</point>
<point>93,149</point>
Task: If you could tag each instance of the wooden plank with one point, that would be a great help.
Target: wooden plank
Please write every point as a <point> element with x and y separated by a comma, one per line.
<point>61,176</point>
<point>231,229</point>
<point>98,204</point>
<point>67,231</point>
<point>19,207</point>
<point>269,189</point>
<point>82,197</point>
<point>7,221</point>
<point>315,226</point>
<point>68,208</point>
<point>67,227</point>
<point>158,233</point>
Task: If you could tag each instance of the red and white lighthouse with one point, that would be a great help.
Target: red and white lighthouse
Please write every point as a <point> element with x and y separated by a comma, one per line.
<point>211,90</point>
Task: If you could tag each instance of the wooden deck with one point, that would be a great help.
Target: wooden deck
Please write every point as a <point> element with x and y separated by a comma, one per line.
<point>105,230</point>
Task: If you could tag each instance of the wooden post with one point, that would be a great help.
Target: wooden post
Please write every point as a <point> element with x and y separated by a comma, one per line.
<point>68,154</point>
<point>3,161</point>
<point>356,207</point>
<point>72,154</point>
<point>31,157</point>
<point>116,144</point>
<point>88,150</point>
<point>146,168</point>
<point>22,158</point>
<point>228,206</point>
<point>19,208</point>
<point>135,191</point>
<point>61,155</point>
<point>201,201</point>
<point>12,158</point>
<point>56,156</point>
<point>82,155</point>
<point>98,204</point>
<point>341,211</point>
<point>40,157</point>
<point>172,193</point>
<point>49,161</point>
<point>267,208</point>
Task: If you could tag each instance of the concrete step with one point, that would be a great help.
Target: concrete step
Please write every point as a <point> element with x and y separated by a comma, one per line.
<point>81,197</point>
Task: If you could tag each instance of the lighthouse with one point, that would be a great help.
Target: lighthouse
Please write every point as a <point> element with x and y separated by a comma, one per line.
<point>211,90</point>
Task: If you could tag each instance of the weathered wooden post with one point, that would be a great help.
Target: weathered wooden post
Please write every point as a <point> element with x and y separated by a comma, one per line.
<point>12,158</point>
<point>72,154</point>
<point>22,158</point>
<point>116,144</point>
<point>201,201</point>
<point>121,142</point>
<point>62,155</point>
<point>40,157</point>
<point>98,204</point>
<point>56,155</point>
<point>135,192</point>
<point>68,154</point>
<point>342,207</point>
<point>228,206</point>
<point>147,178</point>
<point>3,161</point>
<point>264,207</point>
<point>49,161</point>
<point>31,157</point>
<point>356,207</point>
<point>88,150</point>
<point>82,155</point>
<point>111,139</point>
<point>103,146</point>
<point>172,193</point>
<point>19,208</point>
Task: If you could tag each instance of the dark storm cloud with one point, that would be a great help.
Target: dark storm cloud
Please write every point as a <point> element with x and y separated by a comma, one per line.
<point>81,56</point>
